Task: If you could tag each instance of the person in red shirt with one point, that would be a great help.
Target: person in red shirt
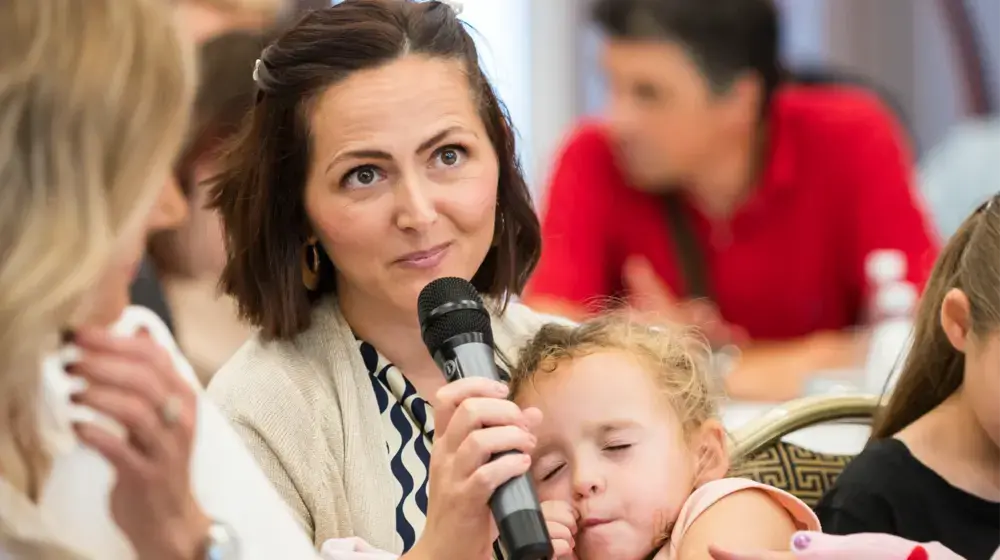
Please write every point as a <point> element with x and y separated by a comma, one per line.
<point>718,195</point>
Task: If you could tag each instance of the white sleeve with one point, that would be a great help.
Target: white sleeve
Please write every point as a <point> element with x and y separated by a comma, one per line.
<point>226,480</point>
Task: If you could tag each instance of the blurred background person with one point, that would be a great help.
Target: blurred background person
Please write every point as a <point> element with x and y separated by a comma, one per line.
<point>190,256</point>
<point>719,194</point>
<point>203,20</point>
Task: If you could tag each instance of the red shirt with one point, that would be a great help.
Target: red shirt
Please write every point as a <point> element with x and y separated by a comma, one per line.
<point>838,184</point>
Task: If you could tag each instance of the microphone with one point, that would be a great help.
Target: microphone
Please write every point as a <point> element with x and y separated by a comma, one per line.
<point>456,329</point>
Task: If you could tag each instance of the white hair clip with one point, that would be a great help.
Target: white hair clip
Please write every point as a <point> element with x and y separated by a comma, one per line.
<point>455,5</point>
<point>987,205</point>
<point>256,70</point>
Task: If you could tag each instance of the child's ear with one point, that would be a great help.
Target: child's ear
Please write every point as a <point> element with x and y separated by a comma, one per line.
<point>713,459</point>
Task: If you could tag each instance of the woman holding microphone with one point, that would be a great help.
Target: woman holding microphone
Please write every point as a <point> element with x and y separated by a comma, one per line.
<point>377,159</point>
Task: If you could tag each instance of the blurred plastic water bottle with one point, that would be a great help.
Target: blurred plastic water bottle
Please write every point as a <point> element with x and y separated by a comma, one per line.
<point>890,315</point>
<point>893,304</point>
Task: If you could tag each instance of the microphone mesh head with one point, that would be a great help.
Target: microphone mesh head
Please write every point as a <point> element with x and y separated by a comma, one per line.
<point>442,327</point>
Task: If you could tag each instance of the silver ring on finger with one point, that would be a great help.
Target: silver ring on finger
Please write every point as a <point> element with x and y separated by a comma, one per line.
<point>170,412</point>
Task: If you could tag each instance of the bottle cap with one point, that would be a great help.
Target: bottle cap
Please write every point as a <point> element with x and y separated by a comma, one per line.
<point>885,265</point>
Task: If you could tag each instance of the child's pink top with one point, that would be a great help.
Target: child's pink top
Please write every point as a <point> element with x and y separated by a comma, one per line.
<point>708,494</point>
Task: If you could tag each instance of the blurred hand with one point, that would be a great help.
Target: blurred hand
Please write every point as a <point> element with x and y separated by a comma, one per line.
<point>132,381</point>
<point>473,421</point>
<point>650,296</point>
<point>560,518</point>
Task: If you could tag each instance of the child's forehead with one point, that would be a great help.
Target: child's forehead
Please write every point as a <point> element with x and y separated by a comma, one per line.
<point>604,363</point>
<point>597,371</point>
<point>588,393</point>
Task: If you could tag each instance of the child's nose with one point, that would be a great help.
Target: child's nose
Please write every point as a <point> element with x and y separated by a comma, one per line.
<point>587,482</point>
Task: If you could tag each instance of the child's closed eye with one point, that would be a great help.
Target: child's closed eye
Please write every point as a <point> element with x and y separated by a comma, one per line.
<point>617,447</point>
<point>550,472</point>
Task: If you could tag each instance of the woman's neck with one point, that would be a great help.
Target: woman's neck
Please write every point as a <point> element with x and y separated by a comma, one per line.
<point>950,441</point>
<point>395,333</point>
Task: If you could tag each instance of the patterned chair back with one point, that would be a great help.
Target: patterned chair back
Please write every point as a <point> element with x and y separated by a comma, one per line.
<point>758,452</point>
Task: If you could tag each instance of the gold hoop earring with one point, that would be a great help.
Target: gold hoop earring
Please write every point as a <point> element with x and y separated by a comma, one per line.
<point>310,265</point>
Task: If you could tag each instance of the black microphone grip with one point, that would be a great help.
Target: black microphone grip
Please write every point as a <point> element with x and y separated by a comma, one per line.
<point>523,533</point>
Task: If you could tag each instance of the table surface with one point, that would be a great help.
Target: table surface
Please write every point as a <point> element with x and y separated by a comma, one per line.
<point>840,439</point>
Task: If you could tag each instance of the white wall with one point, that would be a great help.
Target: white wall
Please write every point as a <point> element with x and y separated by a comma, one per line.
<point>555,90</point>
<point>528,48</point>
<point>501,29</point>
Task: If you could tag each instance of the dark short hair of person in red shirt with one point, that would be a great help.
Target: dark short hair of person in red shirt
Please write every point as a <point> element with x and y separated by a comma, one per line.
<point>779,193</point>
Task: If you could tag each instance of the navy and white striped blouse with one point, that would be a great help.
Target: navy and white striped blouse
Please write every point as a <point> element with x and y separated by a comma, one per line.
<point>408,428</point>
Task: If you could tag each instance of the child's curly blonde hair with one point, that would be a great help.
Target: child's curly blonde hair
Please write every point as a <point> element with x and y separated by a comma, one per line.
<point>678,359</point>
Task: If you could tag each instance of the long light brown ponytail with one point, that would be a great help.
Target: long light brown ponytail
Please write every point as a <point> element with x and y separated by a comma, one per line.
<point>934,368</point>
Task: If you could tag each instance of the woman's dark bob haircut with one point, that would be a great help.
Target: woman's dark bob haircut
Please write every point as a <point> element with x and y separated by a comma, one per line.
<point>260,192</point>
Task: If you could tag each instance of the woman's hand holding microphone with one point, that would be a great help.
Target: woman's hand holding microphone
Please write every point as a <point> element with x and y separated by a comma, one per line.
<point>473,421</point>
<point>133,382</point>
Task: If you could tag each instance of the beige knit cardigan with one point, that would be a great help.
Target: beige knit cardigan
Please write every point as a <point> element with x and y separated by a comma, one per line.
<point>305,409</point>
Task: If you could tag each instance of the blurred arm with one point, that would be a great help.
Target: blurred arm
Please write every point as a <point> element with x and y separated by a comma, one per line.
<point>777,371</point>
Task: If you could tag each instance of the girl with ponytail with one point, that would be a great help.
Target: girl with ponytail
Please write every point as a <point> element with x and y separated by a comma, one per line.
<point>931,471</point>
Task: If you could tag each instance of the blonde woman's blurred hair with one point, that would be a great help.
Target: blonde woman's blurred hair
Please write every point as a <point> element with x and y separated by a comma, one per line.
<point>94,100</point>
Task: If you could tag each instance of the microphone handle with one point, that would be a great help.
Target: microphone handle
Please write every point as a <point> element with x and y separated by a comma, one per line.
<point>523,533</point>
<point>515,506</point>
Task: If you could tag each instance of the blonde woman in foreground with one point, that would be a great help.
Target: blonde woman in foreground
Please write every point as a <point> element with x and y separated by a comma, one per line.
<point>94,95</point>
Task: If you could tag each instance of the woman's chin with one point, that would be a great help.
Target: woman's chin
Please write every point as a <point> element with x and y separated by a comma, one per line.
<point>417,285</point>
<point>106,303</point>
<point>101,313</point>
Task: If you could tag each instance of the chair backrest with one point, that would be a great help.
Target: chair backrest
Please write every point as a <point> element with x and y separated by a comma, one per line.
<point>798,414</point>
<point>801,472</point>
<point>759,454</point>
